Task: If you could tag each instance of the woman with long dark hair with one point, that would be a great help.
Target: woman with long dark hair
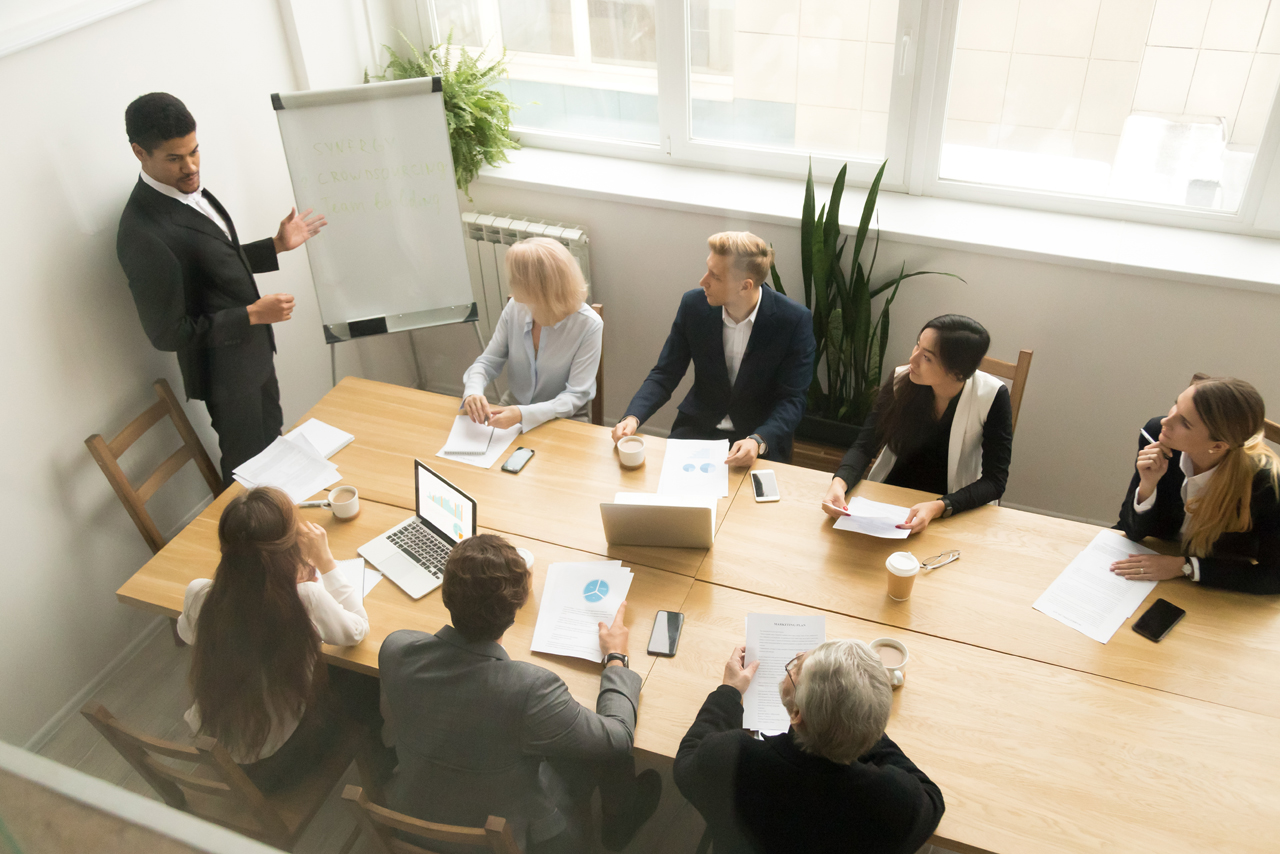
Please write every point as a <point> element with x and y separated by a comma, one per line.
<point>260,684</point>
<point>939,425</point>
<point>1209,481</point>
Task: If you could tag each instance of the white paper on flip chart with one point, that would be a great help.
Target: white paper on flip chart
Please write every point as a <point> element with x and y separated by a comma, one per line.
<point>875,518</point>
<point>773,640</point>
<point>576,598</point>
<point>695,467</point>
<point>1088,596</point>
<point>325,438</point>
<point>463,426</point>
<point>363,578</point>
<point>295,468</point>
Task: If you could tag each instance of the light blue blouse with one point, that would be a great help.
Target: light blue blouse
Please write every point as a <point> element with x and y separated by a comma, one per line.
<point>557,383</point>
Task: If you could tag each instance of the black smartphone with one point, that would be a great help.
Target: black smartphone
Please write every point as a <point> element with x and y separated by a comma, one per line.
<point>665,636</point>
<point>516,461</point>
<point>1158,619</point>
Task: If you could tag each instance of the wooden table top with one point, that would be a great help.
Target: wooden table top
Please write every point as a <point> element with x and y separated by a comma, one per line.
<point>1226,650</point>
<point>1030,757</point>
<point>555,498</point>
<point>161,584</point>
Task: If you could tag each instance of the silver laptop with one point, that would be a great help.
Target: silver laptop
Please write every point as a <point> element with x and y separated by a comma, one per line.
<point>638,519</point>
<point>413,553</point>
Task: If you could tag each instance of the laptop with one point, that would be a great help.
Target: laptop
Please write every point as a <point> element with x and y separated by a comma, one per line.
<point>644,519</point>
<point>413,553</point>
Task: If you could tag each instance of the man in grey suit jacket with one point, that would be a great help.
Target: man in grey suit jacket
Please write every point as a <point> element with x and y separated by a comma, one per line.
<point>478,734</point>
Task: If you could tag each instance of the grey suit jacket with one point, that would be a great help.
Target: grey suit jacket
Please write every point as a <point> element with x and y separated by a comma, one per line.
<point>472,729</point>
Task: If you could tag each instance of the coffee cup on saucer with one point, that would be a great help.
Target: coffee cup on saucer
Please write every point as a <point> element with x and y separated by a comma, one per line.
<point>893,654</point>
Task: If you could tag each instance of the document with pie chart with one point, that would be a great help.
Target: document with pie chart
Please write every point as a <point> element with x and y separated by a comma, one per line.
<point>576,598</point>
<point>695,467</point>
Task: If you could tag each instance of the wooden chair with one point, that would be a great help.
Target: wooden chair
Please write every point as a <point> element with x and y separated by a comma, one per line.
<point>495,836</point>
<point>1010,371</point>
<point>218,790</point>
<point>135,500</point>
<point>1271,431</point>
<point>597,403</point>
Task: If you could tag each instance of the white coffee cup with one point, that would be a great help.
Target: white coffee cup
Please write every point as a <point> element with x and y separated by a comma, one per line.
<point>893,654</point>
<point>528,557</point>
<point>903,568</point>
<point>344,502</point>
<point>631,451</point>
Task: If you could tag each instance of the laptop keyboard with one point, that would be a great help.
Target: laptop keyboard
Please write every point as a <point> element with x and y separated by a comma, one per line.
<point>422,546</point>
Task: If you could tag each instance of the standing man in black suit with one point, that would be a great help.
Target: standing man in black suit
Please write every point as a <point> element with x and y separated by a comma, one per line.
<point>192,280</point>
<point>752,350</point>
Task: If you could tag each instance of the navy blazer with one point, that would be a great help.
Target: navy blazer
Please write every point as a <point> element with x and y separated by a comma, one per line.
<point>773,380</point>
<point>192,286</point>
<point>1231,562</point>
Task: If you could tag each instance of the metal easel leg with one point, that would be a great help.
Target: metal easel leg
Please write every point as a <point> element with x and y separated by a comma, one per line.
<point>417,366</point>
<point>333,363</point>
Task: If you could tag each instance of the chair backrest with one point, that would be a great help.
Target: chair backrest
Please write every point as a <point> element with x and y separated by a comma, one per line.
<point>597,403</point>
<point>1271,431</point>
<point>135,500</point>
<point>495,836</point>
<point>1011,371</point>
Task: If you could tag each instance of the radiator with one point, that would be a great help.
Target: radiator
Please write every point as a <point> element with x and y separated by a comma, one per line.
<point>489,235</point>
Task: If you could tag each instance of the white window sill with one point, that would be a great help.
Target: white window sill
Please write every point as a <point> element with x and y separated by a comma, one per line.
<point>1188,255</point>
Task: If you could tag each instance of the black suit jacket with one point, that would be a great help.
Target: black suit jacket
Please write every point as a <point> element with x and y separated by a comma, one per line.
<point>777,367</point>
<point>192,287</point>
<point>760,797</point>
<point>1231,562</point>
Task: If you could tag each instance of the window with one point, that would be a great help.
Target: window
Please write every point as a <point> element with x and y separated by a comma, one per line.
<point>1144,109</point>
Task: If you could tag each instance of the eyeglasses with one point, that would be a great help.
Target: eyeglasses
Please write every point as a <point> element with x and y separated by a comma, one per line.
<point>790,664</point>
<point>929,564</point>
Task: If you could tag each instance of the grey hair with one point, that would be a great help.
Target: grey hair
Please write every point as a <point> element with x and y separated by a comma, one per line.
<point>843,696</point>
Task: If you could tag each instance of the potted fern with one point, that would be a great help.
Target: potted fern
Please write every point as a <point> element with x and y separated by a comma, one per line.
<point>851,337</point>
<point>479,116</point>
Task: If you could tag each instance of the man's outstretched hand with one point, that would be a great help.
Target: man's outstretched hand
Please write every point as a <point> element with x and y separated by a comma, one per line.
<point>296,229</point>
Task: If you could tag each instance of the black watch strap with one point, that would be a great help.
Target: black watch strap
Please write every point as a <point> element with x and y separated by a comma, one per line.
<point>618,656</point>
<point>947,509</point>
<point>764,447</point>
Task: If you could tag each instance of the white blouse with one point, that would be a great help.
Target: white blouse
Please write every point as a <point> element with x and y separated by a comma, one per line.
<point>558,382</point>
<point>337,612</point>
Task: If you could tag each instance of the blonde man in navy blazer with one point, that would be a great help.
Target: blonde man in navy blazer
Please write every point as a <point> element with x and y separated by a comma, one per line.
<point>752,350</point>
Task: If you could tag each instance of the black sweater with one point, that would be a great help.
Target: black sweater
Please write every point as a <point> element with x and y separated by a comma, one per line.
<point>1231,562</point>
<point>770,796</point>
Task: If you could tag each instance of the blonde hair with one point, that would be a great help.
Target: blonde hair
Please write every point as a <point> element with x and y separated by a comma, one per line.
<point>544,276</point>
<point>749,253</point>
<point>843,697</point>
<point>1234,413</point>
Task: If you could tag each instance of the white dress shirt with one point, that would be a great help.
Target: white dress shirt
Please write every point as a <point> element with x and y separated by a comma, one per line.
<point>337,612</point>
<point>736,336</point>
<point>195,200</point>
<point>1192,485</point>
<point>558,381</point>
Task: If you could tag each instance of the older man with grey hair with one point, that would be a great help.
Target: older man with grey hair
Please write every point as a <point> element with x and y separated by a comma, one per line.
<point>833,782</point>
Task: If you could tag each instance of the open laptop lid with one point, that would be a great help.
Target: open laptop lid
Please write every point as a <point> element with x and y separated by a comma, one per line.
<point>444,508</point>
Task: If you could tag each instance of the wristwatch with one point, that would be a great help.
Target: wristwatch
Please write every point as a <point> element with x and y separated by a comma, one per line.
<point>617,656</point>
<point>764,448</point>
<point>947,509</point>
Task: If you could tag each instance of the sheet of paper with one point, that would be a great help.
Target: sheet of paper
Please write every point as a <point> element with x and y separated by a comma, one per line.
<point>773,640</point>
<point>498,445</point>
<point>289,466</point>
<point>576,598</point>
<point>468,437</point>
<point>875,518</point>
<point>695,467</point>
<point>325,438</point>
<point>362,577</point>
<point>1088,596</point>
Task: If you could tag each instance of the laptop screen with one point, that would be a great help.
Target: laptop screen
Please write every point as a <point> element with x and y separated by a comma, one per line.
<point>449,510</point>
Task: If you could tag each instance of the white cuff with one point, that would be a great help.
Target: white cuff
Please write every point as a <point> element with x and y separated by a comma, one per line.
<point>1195,568</point>
<point>1145,505</point>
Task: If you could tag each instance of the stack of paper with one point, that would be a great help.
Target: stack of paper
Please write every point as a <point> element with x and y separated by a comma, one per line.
<point>477,444</point>
<point>575,600</point>
<point>363,578</point>
<point>773,640</point>
<point>1088,596</point>
<point>695,467</point>
<point>326,439</point>
<point>293,466</point>
<point>875,519</point>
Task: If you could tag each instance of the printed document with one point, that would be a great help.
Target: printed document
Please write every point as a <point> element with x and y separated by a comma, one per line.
<point>576,598</point>
<point>363,578</point>
<point>773,640</point>
<point>326,439</point>
<point>1088,596</point>
<point>295,467</point>
<point>875,518</point>
<point>695,467</point>
<point>477,444</point>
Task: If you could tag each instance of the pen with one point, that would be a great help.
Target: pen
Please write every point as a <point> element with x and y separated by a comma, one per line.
<point>1147,436</point>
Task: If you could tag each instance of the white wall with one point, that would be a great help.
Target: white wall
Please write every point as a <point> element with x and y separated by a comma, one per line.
<point>78,361</point>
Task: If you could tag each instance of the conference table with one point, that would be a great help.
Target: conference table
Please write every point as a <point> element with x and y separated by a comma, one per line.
<point>1041,739</point>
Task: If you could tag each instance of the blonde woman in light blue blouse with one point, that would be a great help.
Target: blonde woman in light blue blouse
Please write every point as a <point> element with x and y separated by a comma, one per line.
<point>548,338</point>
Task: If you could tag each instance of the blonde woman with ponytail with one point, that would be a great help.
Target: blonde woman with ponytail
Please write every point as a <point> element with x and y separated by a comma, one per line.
<point>1210,481</point>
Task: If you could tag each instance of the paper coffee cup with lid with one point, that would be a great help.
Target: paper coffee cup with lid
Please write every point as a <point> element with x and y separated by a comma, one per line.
<point>903,569</point>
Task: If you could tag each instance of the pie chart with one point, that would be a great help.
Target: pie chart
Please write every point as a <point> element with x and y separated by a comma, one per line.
<point>595,590</point>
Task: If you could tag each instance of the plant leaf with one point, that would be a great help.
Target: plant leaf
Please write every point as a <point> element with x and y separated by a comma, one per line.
<point>806,239</point>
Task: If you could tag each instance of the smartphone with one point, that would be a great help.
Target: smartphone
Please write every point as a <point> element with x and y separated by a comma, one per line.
<point>665,636</point>
<point>766,485</point>
<point>516,461</point>
<point>1158,619</point>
